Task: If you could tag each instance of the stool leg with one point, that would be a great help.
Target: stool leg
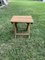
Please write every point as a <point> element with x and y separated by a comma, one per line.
<point>16,26</point>
<point>28,28</point>
<point>15,30</point>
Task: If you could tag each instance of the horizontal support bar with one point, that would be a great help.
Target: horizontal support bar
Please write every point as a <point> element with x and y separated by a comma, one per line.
<point>22,33</point>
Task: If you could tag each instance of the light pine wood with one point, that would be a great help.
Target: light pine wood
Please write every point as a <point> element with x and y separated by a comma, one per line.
<point>22,19</point>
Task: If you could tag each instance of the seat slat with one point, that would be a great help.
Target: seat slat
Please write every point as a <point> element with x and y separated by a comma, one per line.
<point>24,19</point>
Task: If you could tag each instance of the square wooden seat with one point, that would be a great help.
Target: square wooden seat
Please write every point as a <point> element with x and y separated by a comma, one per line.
<point>22,19</point>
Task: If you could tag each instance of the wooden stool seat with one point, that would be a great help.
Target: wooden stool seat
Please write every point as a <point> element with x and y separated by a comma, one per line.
<point>22,19</point>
